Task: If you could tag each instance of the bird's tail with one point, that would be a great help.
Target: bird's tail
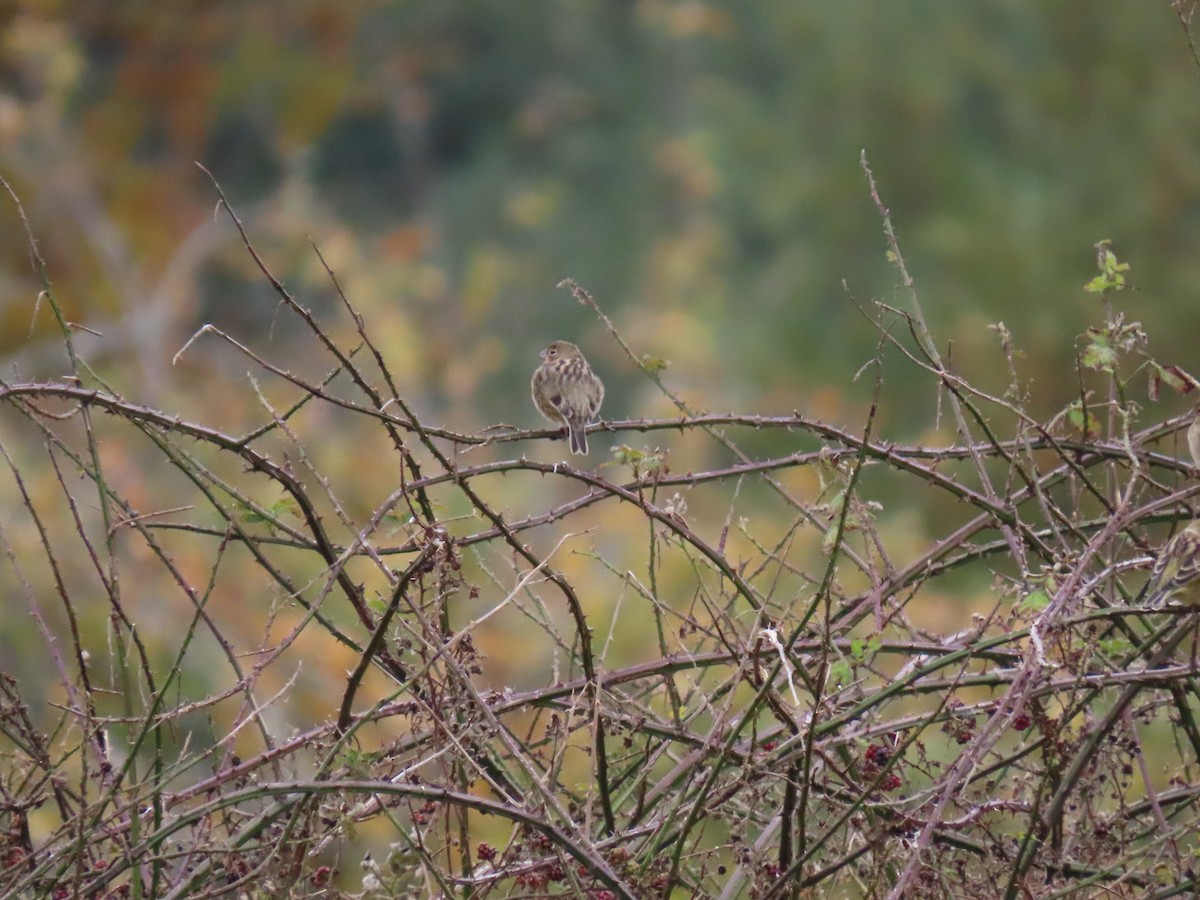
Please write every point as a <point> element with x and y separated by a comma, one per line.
<point>578,437</point>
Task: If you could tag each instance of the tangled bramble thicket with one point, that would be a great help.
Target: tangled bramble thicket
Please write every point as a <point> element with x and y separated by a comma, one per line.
<point>790,722</point>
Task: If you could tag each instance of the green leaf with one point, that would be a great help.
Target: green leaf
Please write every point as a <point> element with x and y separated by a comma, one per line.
<point>1099,353</point>
<point>1112,271</point>
<point>643,462</point>
<point>1114,646</point>
<point>840,673</point>
<point>1035,601</point>
<point>1177,379</point>
<point>627,455</point>
<point>1084,421</point>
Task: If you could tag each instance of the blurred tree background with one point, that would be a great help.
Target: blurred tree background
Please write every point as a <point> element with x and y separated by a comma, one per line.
<point>696,166</point>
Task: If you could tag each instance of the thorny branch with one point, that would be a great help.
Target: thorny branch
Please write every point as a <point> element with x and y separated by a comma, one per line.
<point>790,724</point>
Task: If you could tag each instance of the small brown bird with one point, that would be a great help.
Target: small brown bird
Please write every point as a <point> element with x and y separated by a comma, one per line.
<point>566,391</point>
<point>1176,573</point>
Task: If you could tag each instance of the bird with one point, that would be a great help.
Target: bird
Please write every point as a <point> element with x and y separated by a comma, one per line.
<point>1176,573</point>
<point>566,391</point>
<point>1193,439</point>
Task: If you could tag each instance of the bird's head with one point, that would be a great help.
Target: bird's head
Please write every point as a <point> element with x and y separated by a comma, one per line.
<point>560,350</point>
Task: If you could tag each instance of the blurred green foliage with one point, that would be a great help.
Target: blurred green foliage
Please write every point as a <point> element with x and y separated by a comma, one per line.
<point>695,165</point>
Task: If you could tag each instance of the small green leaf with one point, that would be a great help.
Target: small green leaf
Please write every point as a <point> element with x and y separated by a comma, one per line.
<point>627,455</point>
<point>1099,353</point>
<point>1114,646</point>
<point>1083,421</point>
<point>829,541</point>
<point>643,462</point>
<point>861,647</point>
<point>281,506</point>
<point>395,521</point>
<point>1177,379</point>
<point>1035,601</point>
<point>839,673</point>
<point>1112,271</point>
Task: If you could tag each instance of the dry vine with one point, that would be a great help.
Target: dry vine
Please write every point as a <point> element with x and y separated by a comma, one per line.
<point>795,730</point>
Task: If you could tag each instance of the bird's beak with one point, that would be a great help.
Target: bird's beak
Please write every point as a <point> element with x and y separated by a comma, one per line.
<point>542,355</point>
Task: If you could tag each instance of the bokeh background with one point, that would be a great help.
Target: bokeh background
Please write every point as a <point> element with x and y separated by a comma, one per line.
<point>695,165</point>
